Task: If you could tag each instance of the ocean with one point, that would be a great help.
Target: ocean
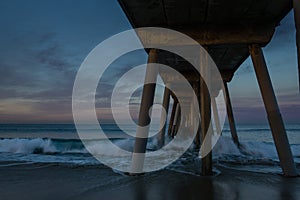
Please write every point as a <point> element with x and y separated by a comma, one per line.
<point>26,144</point>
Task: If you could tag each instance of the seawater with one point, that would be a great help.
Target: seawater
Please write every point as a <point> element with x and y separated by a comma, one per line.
<point>59,143</point>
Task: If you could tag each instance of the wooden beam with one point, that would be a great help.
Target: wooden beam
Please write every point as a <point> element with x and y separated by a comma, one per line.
<point>210,36</point>
<point>227,75</point>
<point>178,78</point>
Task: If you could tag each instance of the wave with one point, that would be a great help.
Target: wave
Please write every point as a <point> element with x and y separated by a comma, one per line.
<point>256,130</point>
<point>41,146</point>
<point>262,150</point>
<point>225,152</point>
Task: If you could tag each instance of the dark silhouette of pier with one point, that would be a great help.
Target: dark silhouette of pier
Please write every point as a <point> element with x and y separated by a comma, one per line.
<point>230,31</point>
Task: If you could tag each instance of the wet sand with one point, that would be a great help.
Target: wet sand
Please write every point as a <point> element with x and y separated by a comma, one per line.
<point>52,181</point>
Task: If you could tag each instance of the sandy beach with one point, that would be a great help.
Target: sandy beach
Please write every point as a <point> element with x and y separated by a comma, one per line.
<point>52,181</point>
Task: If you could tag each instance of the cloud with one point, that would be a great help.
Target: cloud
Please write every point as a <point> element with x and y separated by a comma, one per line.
<point>252,109</point>
<point>39,58</point>
<point>42,70</point>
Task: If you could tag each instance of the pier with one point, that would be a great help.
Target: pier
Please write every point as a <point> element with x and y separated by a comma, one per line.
<point>230,31</point>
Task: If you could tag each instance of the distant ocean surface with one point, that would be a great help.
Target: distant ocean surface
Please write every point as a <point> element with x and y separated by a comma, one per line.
<point>59,143</point>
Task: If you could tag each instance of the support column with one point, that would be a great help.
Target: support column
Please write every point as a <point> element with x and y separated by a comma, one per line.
<point>205,112</point>
<point>197,92</point>
<point>176,120</point>
<point>296,5</point>
<point>172,117</point>
<point>140,144</point>
<point>164,116</point>
<point>216,116</point>
<point>192,115</point>
<point>230,116</point>
<point>274,116</point>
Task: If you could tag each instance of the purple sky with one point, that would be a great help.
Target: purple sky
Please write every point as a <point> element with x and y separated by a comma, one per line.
<point>44,42</point>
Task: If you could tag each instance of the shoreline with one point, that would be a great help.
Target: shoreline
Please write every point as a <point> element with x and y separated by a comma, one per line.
<point>64,181</point>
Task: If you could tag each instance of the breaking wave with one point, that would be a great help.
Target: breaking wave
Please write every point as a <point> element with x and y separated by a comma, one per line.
<point>224,148</point>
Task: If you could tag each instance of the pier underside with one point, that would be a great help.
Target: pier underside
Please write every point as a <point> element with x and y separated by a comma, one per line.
<point>230,30</point>
<point>224,27</point>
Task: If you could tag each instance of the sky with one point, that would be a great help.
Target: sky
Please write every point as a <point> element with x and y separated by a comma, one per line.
<point>43,44</point>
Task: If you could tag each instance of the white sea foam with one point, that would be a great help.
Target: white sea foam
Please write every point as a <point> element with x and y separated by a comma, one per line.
<point>27,146</point>
<point>225,151</point>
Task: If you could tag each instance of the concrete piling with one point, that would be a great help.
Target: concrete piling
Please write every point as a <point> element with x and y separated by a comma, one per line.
<point>140,144</point>
<point>205,113</point>
<point>216,115</point>
<point>296,5</point>
<point>164,116</point>
<point>230,116</point>
<point>175,102</point>
<point>274,116</point>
